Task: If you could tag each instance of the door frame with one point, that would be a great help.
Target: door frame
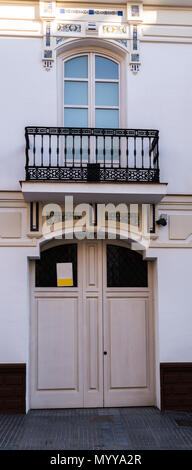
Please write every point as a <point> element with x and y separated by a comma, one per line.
<point>56,291</point>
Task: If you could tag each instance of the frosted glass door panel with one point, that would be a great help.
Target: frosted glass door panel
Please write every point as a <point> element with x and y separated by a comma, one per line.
<point>76,93</point>
<point>75,117</point>
<point>107,118</point>
<point>107,94</point>
<point>76,68</point>
<point>106,68</point>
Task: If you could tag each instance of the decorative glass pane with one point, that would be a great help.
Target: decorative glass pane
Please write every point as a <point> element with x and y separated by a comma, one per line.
<point>106,68</point>
<point>125,268</point>
<point>75,117</point>
<point>106,94</point>
<point>107,118</point>
<point>76,93</point>
<point>76,68</point>
<point>45,268</point>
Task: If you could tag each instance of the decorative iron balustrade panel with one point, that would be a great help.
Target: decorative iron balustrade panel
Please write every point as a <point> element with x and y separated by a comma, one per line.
<point>92,154</point>
<point>91,131</point>
<point>81,174</point>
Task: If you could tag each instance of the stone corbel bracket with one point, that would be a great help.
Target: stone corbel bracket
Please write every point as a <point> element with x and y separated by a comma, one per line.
<point>134,18</point>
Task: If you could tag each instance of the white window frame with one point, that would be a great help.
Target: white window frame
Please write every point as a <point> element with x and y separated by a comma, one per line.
<point>120,58</point>
<point>91,80</point>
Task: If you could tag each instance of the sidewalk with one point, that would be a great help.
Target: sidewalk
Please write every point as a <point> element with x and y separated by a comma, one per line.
<point>99,428</point>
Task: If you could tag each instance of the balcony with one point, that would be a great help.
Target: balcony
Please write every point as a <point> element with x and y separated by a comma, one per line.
<point>125,158</point>
<point>84,154</point>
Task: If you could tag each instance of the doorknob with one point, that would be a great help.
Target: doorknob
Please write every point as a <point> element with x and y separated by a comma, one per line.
<point>105,353</point>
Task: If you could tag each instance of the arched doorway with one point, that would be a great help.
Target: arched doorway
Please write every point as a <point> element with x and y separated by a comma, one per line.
<point>92,342</point>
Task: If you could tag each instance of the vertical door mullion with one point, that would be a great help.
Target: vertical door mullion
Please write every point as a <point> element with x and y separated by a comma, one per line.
<point>93,89</point>
<point>104,320</point>
<point>92,104</point>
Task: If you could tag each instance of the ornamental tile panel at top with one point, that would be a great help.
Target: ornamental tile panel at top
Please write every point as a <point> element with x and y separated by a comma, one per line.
<point>90,12</point>
<point>67,28</point>
<point>55,37</point>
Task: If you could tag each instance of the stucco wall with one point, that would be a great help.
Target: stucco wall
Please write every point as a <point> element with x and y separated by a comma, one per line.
<point>28,97</point>
<point>14,305</point>
<point>159,96</point>
<point>174,305</point>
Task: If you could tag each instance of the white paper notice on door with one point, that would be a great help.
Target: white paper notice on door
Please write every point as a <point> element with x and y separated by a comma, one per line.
<point>64,274</point>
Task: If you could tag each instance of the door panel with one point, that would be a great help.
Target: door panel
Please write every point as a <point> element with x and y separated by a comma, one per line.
<point>127,353</point>
<point>127,365</point>
<point>93,345</point>
<point>57,358</point>
<point>56,379</point>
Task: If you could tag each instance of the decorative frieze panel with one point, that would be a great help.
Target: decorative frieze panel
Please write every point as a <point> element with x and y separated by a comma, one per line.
<point>84,14</point>
<point>68,28</point>
<point>109,30</point>
<point>134,12</point>
<point>58,23</point>
<point>116,30</point>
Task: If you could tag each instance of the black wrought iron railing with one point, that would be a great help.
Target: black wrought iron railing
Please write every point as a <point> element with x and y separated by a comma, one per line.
<point>92,154</point>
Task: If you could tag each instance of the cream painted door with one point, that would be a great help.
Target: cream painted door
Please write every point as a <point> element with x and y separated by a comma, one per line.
<point>128,343</point>
<point>71,328</point>
<point>67,337</point>
<point>57,345</point>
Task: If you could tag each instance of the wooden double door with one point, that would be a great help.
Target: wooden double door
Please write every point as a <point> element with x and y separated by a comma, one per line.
<point>92,344</point>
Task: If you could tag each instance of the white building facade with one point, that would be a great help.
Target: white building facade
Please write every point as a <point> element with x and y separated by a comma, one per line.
<point>95,204</point>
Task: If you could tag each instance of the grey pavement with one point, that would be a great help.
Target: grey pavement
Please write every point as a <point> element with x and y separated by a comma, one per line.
<point>97,429</point>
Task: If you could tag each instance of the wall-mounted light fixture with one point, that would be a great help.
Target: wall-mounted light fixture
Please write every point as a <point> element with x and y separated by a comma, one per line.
<point>162,220</point>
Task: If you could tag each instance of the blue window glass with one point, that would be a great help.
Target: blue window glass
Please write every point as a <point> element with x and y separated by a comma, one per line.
<point>76,93</point>
<point>107,118</point>
<point>106,94</point>
<point>106,68</point>
<point>76,68</point>
<point>75,117</point>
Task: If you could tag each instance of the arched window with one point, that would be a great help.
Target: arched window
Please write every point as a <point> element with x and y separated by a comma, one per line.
<point>91,91</point>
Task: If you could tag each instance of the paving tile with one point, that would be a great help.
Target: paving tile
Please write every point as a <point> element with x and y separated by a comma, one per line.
<point>97,429</point>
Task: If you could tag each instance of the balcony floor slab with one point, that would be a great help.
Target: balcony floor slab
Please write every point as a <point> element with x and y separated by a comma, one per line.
<point>94,192</point>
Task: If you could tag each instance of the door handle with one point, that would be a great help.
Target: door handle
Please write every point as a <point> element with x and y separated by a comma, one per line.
<point>105,353</point>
